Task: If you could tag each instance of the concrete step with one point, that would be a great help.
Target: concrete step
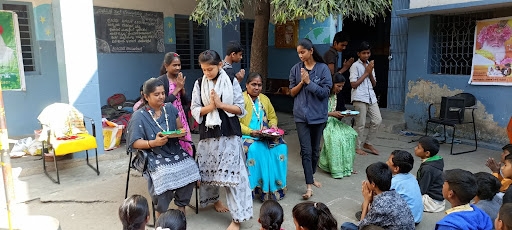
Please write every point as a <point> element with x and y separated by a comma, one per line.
<point>392,121</point>
<point>31,222</point>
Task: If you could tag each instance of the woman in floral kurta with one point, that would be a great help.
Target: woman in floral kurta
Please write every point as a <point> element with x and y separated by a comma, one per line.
<point>174,86</point>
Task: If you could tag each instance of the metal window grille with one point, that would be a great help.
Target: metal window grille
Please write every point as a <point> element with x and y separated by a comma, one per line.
<point>191,40</point>
<point>452,43</point>
<point>246,31</point>
<point>25,27</point>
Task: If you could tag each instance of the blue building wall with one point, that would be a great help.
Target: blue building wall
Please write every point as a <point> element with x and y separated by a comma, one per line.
<point>281,60</point>
<point>117,73</point>
<point>124,73</point>
<point>397,64</point>
<point>493,106</point>
<point>23,107</point>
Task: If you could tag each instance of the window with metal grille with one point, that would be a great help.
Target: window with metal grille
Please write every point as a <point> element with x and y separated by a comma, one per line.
<point>191,40</point>
<point>25,27</point>
<point>452,43</point>
<point>246,31</point>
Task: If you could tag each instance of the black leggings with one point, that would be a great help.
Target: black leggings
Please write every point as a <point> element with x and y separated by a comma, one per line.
<point>309,138</point>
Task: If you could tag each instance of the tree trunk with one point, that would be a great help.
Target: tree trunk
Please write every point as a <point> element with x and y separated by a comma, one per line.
<point>259,46</point>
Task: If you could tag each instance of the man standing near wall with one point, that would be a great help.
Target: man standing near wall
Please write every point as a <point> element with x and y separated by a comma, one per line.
<point>331,58</point>
<point>234,53</point>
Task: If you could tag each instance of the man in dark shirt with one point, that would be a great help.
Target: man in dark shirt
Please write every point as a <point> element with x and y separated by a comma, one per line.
<point>339,44</point>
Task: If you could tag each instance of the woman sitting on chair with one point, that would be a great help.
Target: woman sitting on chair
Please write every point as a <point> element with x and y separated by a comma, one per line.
<point>171,172</point>
<point>266,158</point>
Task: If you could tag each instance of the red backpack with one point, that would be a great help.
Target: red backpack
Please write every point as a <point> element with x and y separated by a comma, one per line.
<point>116,100</point>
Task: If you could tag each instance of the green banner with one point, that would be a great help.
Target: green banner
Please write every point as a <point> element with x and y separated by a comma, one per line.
<point>11,63</point>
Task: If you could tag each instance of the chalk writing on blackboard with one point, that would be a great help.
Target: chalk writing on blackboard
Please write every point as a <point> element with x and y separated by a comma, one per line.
<point>128,31</point>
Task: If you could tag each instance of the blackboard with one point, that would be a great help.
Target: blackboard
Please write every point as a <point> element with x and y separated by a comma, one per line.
<point>128,31</point>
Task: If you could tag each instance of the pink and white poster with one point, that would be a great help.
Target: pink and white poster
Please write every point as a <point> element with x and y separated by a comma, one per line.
<point>492,56</point>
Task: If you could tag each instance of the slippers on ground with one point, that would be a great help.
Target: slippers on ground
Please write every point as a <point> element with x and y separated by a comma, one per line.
<point>306,196</point>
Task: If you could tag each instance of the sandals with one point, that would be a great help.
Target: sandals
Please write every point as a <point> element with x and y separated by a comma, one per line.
<point>306,196</point>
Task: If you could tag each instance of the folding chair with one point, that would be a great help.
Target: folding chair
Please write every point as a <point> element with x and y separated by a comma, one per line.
<point>452,114</point>
<point>130,153</point>
<point>69,119</point>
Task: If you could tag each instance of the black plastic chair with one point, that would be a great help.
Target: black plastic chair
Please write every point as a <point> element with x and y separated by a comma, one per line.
<point>195,207</point>
<point>452,111</point>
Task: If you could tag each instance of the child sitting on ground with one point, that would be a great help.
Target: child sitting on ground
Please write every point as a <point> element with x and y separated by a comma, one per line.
<point>401,162</point>
<point>172,219</point>
<point>486,197</point>
<point>134,213</point>
<point>313,216</point>
<point>382,207</point>
<point>504,219</point>
<point>430,174</point>
<point>459,188</point>
<point>507,197</point>
<point>495,167</point>
<point>506,168</point>
<point>271,215</point>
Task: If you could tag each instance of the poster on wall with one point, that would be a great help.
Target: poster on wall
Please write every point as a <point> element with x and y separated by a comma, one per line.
<point>492,55</point>
<point>11,61</point>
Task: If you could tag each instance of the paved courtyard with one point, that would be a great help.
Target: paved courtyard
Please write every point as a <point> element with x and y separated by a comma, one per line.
<point>86,201</point>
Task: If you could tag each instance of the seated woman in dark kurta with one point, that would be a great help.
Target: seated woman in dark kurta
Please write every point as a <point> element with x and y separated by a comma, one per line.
<point>171,172</point>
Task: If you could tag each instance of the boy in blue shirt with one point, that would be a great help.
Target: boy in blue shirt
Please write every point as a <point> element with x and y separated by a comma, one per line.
<point>459,188</point>
<point>401,162</point>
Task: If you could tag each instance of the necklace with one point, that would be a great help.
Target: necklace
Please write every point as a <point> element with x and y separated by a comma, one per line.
<point>332,101</point>
<point>166,118</point>
<point>256,111</point>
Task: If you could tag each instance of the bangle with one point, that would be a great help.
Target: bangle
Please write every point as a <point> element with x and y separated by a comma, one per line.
<point>149,144</point>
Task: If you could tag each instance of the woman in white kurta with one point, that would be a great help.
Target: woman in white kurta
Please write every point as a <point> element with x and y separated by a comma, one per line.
<point>217,103</point>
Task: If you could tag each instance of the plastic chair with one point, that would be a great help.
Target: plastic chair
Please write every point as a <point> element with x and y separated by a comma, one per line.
<point>130,153</point>
<point>64,127</point>
<point>452,112</point>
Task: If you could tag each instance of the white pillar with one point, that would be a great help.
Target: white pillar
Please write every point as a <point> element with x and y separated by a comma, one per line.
<point>77,59</point>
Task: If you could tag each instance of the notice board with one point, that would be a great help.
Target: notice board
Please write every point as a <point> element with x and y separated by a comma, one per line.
<point>128,31</point>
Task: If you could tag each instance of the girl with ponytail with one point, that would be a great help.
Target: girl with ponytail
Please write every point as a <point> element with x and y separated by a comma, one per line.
<point>134,213</point>
<point>271,215</point>
<point>313,216</point>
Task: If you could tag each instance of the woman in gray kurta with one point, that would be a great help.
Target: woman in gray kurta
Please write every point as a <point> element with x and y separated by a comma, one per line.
<point>171,172</point>
<point>217,103</point>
